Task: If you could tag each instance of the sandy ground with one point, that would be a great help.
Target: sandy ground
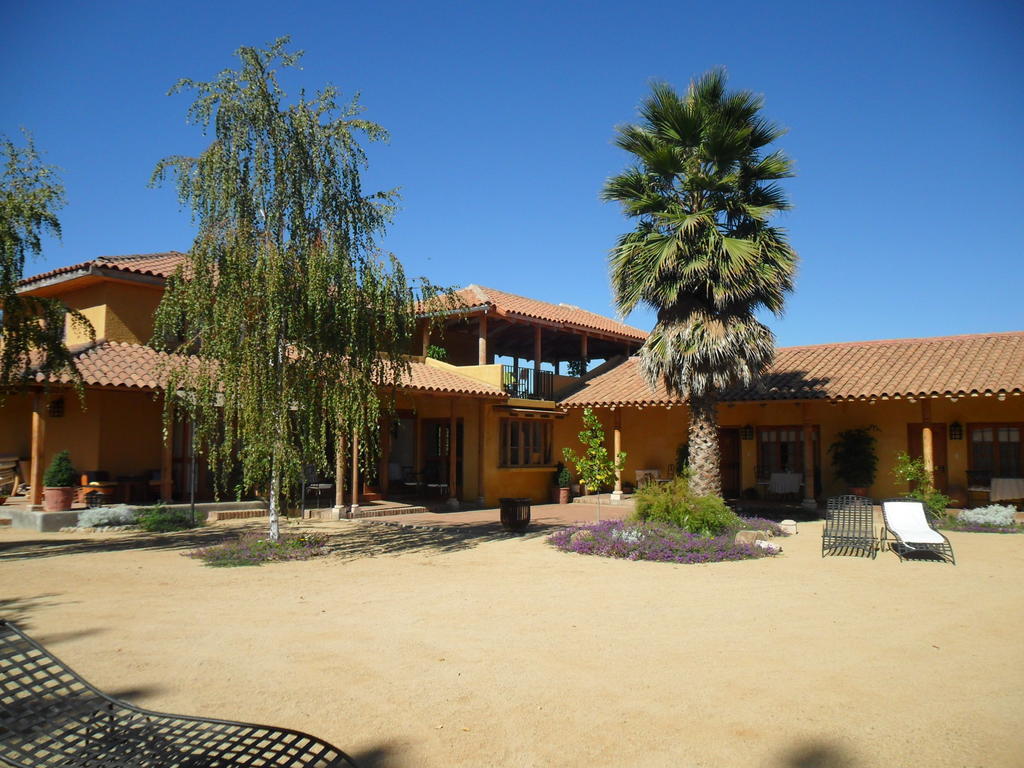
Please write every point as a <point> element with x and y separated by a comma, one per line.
<point>475,648</point>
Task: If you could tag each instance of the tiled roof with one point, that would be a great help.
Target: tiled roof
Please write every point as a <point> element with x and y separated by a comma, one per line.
<point>115,364</point>
<point>953,365</point>
<point>563,314</point>
<point>428,378</point>
<point>134,366</point>
<point>153,264</point>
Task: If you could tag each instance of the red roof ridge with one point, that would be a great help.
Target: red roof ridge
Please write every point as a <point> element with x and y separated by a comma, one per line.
<point>482,291</point>
<point>912,340</point>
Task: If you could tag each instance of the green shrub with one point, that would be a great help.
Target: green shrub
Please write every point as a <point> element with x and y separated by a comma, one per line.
<point>60,473</point>
<point>159,519</point>
<point>676,504</point>
<point>912,472</point>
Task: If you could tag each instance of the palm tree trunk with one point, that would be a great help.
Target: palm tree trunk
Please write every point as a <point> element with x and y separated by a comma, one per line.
<point>704,453</point>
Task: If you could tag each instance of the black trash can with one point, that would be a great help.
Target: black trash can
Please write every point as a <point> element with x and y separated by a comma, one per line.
<point>515,514</point>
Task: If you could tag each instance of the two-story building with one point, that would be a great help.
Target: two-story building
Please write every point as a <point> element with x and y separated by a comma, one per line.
<point>490,418</point>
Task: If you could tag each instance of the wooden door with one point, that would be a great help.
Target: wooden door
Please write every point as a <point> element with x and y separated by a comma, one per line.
<point>916,450</point>
<point>729,453</point>
<point>435,441</point>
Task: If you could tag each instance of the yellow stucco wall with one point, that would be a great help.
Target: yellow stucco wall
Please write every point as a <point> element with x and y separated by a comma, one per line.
<point>91,301</point>
<point>16,426</point>
<point>130,309</point>
<point>131,433</point>
<point>118,311</point>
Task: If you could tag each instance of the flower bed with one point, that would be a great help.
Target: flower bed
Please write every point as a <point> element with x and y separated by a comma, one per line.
<point>255,549</point>
<point>657,542</point>
<point>952,524</point>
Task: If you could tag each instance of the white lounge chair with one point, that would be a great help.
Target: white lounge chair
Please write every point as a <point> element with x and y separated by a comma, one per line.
<point>906,520</point>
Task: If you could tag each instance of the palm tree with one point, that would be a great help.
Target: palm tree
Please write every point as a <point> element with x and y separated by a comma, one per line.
<point>703,255</point>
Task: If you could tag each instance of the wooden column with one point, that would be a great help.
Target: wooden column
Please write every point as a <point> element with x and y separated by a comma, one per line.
<point>481,416</point>
<point>383,479</point>
<point>425,339</point>
<point>927,451</point>
<point>452,453</point>
<point>481,341</point>
<point>537,354</point>
<point>355,471</point>
<point>38,446</point>
<point>167,465</point>
<point>418,448</point>
<point>340,455</point>
<point>616,447</point>
<point>583,351</point>
<point>808,456</point>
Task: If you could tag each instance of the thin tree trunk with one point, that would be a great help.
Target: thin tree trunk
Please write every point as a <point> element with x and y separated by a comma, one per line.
<point>704,452</point>
<point>275,492</point>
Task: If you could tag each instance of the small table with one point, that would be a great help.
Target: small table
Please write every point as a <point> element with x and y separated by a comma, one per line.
<point>1006,488</point>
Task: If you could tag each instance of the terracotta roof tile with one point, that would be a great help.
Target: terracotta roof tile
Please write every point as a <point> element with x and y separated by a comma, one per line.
<point>134,366</point>
<point>563,314</point>
<point>950,365</point>
<point>115,364</point>
<point>429,378</point>
<point>154,264</point>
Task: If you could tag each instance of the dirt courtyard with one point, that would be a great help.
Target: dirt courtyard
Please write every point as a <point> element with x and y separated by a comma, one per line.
<point>408,647</point>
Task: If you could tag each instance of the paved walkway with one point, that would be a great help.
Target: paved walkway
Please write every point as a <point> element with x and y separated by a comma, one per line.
<point>540,515</point>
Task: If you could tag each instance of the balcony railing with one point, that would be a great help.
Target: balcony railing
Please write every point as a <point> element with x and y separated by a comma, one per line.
<point>528,384</point>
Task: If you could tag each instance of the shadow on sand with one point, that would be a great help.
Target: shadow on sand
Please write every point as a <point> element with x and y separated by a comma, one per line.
<point>362,539</point>
<point>375,538</point>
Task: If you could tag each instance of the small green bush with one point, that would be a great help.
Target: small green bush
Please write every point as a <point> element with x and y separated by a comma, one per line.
<point>674,503</point>
<point>159,519</point>
<point>912,472</point>
<point>60,473</point>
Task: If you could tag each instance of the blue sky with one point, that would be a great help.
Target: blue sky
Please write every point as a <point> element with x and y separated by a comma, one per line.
<point>905,126</point>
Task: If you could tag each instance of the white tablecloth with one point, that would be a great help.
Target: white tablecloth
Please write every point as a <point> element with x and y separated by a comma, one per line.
<point>1006,488</point>
<point>785,482</point>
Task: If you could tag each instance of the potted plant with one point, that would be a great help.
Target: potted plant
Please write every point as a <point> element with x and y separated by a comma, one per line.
<point>854,458</point>
<point>564,481</point>
<point>59,483</point>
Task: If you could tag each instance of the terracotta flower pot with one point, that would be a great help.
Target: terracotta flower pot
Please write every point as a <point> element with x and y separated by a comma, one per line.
<point>563,495</point>
<point>58,499</point>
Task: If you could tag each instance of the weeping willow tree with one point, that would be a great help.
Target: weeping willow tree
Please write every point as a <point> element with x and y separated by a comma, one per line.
<point>295,324</point>
<point>31,327</point>
<point>704,253</point>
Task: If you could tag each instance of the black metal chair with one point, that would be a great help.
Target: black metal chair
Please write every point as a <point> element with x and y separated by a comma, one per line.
<point>50,716</point>
<point>849,527</point>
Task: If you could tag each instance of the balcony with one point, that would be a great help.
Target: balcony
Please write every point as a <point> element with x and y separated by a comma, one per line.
<point>528,384</point>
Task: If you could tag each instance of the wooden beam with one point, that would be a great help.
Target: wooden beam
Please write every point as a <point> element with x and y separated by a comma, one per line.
<point>481,340</point>
<point>583,351</point>
<point>537,354</point>
<point>452,452</point>
<point>481,413</point>
<point>383,479</point>
<point>38,448</point>
<point>808,456</point>
<point>617,446</point>
<point>927,438</point>
<point>340,456</point>
<point>355,471</point>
